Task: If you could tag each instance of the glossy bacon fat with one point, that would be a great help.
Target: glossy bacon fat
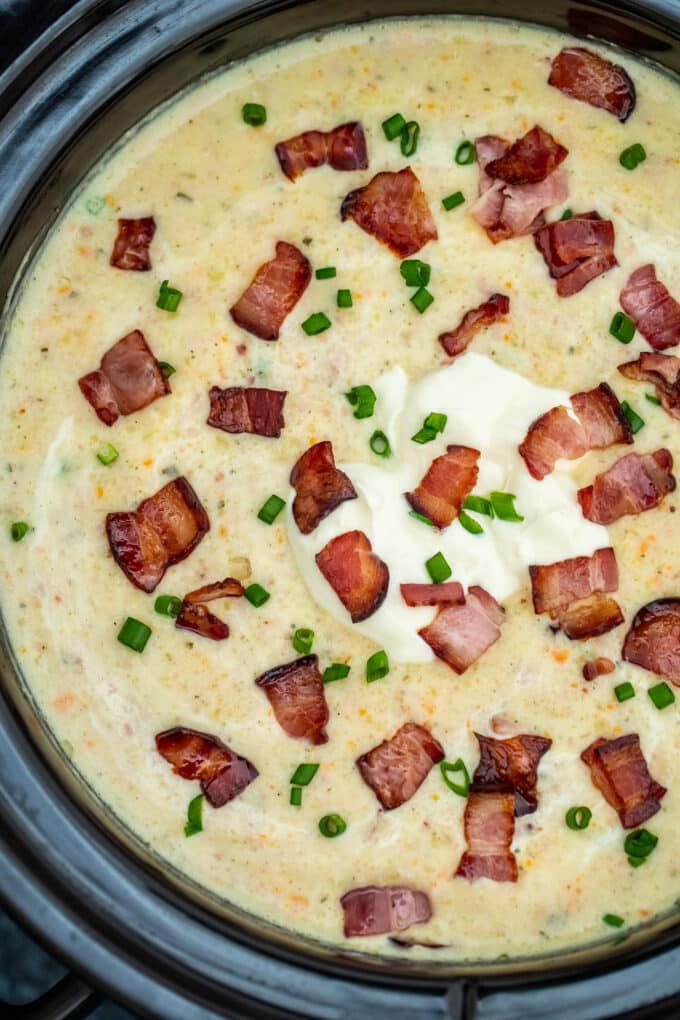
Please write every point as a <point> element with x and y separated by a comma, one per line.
<point>163,530</point>
<point>577,250</point>
<point>273,293</point>
<point>492,310</point>
<point>131,247</point>
<point>460,634</point>
<point>396,768</point>
<point>343,148</point>
<point>652,308</point>
<point>555,586</point>
<point>529,160</point>
<point>222,773</point>
<point>432,594</point>
<point>251,409</point>
<point>358,577</point>
<point>444,488</point>
<point>393,209</point>
<point>297,696</point>
<point>513,764</point>
<point>195,617</point>
<point>663,372</point>
<point>378,910</point>
<point>619,771</point>
<point>319,486</point>
<point>489,827</point>
<point>585,75</point>
<point>653,641</point>
<point>590,617</point>
<point>128,379</point>
<point>633,484</point>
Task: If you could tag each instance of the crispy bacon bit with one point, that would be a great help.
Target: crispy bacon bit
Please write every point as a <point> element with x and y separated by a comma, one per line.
<point>163,530</point>
<point>489,828</point>
<point>199,620</point>
<point>512,764</point>
<point>577,250</point>
<point>635,483</point>
<point>432,594</point>
<point>529,160</point>
<point>587,76</point>
<point>222,773</point>
<point>377,910</point>
<point>228,588</point>
<point>448,482</point>
<point>131,247</point>
<point>396,768</point>
<point>619,771</point>
<point>555,586</point>
<point>590,617</point>
<point>128,379</point>
<point>600,422</point>
<point>319,486</point>
<point>663,372</point>
<point>343,148</point>
<point>296,693</point>
<point>598,667</point>
<point>392,208</point>
<point>653,641</point>
<point>460,634</point>
<point>357,576</point>
<point>273,293</point>
<point>490,311</point>
<point>652,308</point>
<point>255,410</point>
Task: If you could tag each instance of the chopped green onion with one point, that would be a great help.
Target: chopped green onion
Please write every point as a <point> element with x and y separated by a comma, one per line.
<point>331,826</point>
<point>622,328</point>
<point>18,530</point>
<point>377,666</point>
<point>168,298</point>
<point>304,774</point>
<point>380,444</point>
<point>636,422</point>
<point>652,399</point>
<point>635,862</point>
<point>303,639</point>
<point>271,509</point>
<point>296,796</point>
<point>95,205</point>
<point>639,845</point>
<point>424,435</point>
<point>338,671</point>
<point>409,138</point>
<point>578,818</point>
<point>436,420</point>
<point>194,822</point>
<point>438,568</point>
<point>624,692</point>
<point>107,454</point>
<point>567,214</point>
<point>469,524</point>
<point>344,299</point>
<point>479,505</point>
<point>632,156</point>
<point>448,768</point>
<point>166,368</point>
<point>168,605</point>
<point>454,200</point>
<point>254,114</point>
<point>393,126</point>
<point>421,518</point>
<point>503,506</point>
<point>613,920</point>
<point>134,634</point>
<point>327,273</point>
<point>415,273</point>
<point>256,595</point>
<point>465,153</point>
<point>661,695</point>
<point>422,299</point>
<point>362,398</point>
<point>317,323</point>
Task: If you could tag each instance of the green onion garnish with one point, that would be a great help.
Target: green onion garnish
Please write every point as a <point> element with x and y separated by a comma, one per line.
<point>254,114</point>
<point>134,634</point>
<point>317,323</point>
<point>635,862</point>
<point>578,818</point>
<point>638,846</point>
<point>303,639</point>
<point>344,299</point>
<point>95,205</point>
<point>107,454</point>
<point>465,154</point>
<point>636,422</point>
<point>567,214</point>
<point>380,444</point>
<point>168,298</point>
<point>18,530</point>
<point>362,398</point>
<point>393,126</point>
<point>421,518</point>
<point>422,299</point>
<point>168,605</point>
<point>661,695</point>
<point>454,200</point>
<point>194,822</point>
<point>256,595</point>
<point>503,506</point>
<point>613,920</point>
<point>304,774</point>
<point>652,399</point>
<point>409,138</point>
<point>632,156</point>
<point>436,420</point>
<point>415,273</point>
<point>327,273</point>
<point>424,435</point>
<point>338,671</point>
<point>479,505</point>
<point>166,368</point>
<point>469,524</point>
<point>622,328</point>
<point>449,768</point>
<point>438,568</point>
<point>377,666</point>
<point>331,826</point>
<point>624,692</point>
<point>271,509</point>
<point>296,796</point>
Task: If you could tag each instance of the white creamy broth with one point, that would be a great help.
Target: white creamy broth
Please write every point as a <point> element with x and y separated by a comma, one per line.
<point>220,203</point>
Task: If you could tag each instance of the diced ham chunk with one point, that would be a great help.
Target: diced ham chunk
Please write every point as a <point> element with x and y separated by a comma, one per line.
<point>653,641</point>
<point>396,768</point>
<point>635,483</point>
<point>619,771</point>
<point>128,379</point>
<point>273,293</point>
<point>587,618</point>
<point>492,310</point>
<point>513,764</point>
<point>343,148</point>
<point>297,696</point>
<point>529,160</point>
<point>577,250</point>
<point>448,482</point>
<point>131,247</point>
<point>601,666</point>
<point>163,530</point>
<point>652,308</point>
<point>393,208</point>
<point>585,75</point>
<point>319,486</point>
<point>663,372</point>
<point>377,910</point>
<point>555,586</point>
<point>489,828</point>
<point>432,594</point>
<point>358,577</point>
<point>222,773</point>
<point>247,409</point>
<point>460,634</point>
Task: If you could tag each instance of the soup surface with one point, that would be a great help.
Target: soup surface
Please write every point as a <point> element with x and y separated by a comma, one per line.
<point>220,202</point>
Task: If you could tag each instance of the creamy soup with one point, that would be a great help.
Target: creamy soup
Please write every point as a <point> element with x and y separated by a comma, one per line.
<point>220,202</point>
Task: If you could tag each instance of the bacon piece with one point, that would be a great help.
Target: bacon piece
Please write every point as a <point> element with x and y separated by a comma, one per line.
<point>555,586</point>
<point>228,588</point>
<point>273,293</point>
<point>529,160</point>
<point>600,666</point>
<point>590,617</point>
<point>652,308</point>
<point>392,208</point>
<point>619,771</point>
<point>319,486</point>
<point>602,417</point>
<point>653,641</point>
<point>199,620</point>
<point>357,576</point>
<point>343,148</point>
<point>296,693</point>
<point>635,483</point>
<point>489,827</point>
<point>448,482</point>
<point>490,311</point>
<point>131,247</point>
<point>577,250</point>
<point>163,530</point>
<point>432,594</point>
<point>251,409</point>
<point>584,75</point>
<point>663,372</point>
<point>512,763</point>
<point>128,379</point>
<point>460,634</point>
<point>222,773</point>
<point>395,769</point>
<point>377,910</point>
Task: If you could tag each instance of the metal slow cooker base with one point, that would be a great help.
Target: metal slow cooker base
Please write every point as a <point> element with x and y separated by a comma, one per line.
<point>68,871</point>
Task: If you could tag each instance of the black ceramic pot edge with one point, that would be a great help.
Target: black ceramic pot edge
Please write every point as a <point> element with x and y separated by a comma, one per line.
<point>62,874</point>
